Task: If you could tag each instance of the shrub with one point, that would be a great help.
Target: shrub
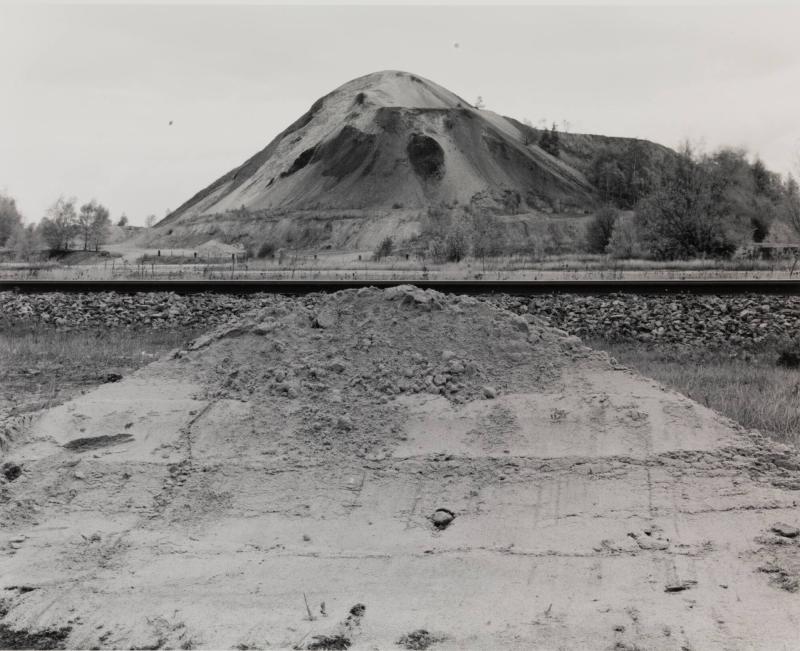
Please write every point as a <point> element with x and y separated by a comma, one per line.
<point>437,251</point>
<point>687,215</point>
<point>624,241</point>
<point>789,358</point>
<point>384,249</point>
<point>266,250</point>
<point>456,244</point>
<point>488,236</point>
<point>760,225</point>
<point>600,228</point>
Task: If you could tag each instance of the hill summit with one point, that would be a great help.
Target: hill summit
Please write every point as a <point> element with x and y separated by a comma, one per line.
<point>391,141</point>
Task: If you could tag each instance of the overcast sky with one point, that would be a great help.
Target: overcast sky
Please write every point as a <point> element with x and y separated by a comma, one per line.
<point>89,91</point>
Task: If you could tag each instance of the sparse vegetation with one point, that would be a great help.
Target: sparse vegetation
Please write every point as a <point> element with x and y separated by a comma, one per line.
<point>600,229</point>
<point>40,366</point>
<point>384,249</point>
<point>550,141</point>
<point>624,240</point>
<point>747,387</point>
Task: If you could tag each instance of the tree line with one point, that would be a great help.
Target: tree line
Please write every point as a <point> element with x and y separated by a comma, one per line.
<point>64,227</point>
<point>687,205</point>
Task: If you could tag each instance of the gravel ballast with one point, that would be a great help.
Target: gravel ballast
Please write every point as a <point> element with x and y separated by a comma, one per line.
<point>744,321</point>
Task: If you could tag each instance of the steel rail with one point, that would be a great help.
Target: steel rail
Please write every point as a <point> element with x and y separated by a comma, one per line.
<point>515,287</point>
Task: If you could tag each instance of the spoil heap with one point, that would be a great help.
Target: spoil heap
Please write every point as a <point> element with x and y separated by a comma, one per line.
<point>400,466</point>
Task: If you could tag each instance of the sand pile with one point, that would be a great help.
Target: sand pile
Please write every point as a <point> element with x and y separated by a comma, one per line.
<point>376,468</point>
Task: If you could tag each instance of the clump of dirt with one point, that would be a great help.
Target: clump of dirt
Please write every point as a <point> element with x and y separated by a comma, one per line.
<point>22,639</point>
<point>426,157</point>
<point>343,639</point>
<point>419,640</point>
<point>781,577</point>
<point>94,442</point>
<point>329,643</point>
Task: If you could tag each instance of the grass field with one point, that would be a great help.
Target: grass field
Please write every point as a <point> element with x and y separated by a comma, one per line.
<point>40,367</point>
<point>749,388</point>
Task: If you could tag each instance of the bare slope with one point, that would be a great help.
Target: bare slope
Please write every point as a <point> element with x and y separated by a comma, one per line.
<point>279,485</point>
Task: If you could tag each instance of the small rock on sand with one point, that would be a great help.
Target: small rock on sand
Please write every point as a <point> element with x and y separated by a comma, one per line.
<point>442,518</point>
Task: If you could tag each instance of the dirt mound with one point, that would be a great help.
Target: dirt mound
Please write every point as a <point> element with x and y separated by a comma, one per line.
<point>447,466</point>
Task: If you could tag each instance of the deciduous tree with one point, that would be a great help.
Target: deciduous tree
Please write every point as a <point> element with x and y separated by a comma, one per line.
<point>10,219</point>
<point>59,225</point>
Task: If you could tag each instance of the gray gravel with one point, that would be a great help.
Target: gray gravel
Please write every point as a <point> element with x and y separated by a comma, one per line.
<point>742,321</point>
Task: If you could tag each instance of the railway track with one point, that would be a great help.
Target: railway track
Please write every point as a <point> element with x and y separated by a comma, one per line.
<point>515,287</point>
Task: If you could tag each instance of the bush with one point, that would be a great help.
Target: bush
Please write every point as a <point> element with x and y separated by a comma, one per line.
<point>599,229</point>
<point>456,244</point>
<point>488,236</point>
<point>624,241</point>
<point>760,226</point>
<point>789,358</point>
<point>266,250</point>
<point>687,216</point>
<point>384,249</point>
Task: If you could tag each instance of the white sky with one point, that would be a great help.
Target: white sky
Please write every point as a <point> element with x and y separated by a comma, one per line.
<point>88,91</point>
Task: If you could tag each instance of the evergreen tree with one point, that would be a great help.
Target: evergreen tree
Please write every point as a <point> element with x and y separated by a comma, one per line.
<point>550,141</point>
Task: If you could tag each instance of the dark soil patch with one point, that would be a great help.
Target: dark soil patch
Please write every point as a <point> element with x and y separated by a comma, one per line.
<point>21,639</point>
<point>300,162</point>
<point>330,642</point>
<point>11,470</point>
<point>94,442</point>
<point>348,151</point>
<point>419,640</point>
<point>426,157</point>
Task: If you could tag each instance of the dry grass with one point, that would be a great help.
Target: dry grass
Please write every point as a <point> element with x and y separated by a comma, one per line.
<point>49,347</point>
<point>352,265</point>
<point>750,389</point>
<point>45,366</point>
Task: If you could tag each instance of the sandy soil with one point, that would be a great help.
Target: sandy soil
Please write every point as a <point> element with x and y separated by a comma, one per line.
<point>277,484</point>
